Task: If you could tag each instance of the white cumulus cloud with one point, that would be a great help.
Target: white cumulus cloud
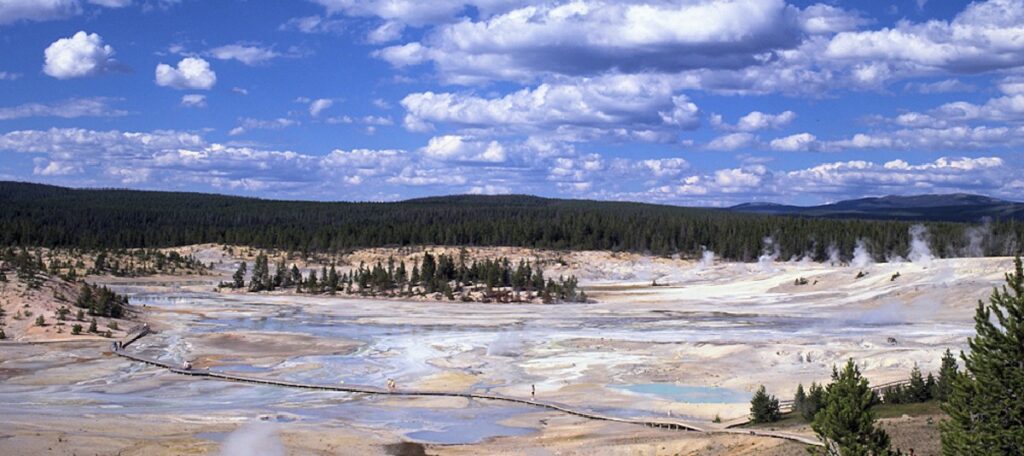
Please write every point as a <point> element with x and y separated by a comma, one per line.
<point>755,121</point>
<point>111,3</point>
<point>36,10</point>
<point>191,73</point>
<point>732,141</point>
<point>247,54</point>
<point>319,105</point>
<point>386,32</point>
<point>793,143</point>
<point>460,148</point>
<point>75,107</point>
<point>193,100</point>
<point>82,54</point>
<point>633,107</point>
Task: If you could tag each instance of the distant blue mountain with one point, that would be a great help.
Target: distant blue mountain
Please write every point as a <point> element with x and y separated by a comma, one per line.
<point>957,207</point>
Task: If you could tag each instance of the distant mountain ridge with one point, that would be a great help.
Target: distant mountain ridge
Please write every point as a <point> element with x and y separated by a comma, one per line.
<point>955,207</point>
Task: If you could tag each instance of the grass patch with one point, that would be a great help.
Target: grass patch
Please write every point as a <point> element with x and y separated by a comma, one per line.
<point>898,410</point>
<point>788,420</point>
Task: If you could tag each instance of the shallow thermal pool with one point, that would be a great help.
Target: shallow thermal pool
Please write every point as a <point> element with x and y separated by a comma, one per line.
<point>688,393</point>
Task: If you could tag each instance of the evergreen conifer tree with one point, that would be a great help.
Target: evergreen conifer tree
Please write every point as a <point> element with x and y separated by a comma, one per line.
<point>281,278</point>
<point>764,408</point>
<point>918,389</point>
<point>260,274</point>
<point>332,280</point>
<point>986,402</point>
<point>239,276</point>
<point>800,399</point>
<point>947,372</point>
<point>845,423</point>
<point>311,283</point>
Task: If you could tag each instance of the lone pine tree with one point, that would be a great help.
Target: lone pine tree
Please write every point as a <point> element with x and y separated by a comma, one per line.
<point>986,402</point>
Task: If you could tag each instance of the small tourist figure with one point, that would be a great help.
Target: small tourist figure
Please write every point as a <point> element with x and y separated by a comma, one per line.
<point>391,384</point>
<point>533,392</point>
<point>186,365</point>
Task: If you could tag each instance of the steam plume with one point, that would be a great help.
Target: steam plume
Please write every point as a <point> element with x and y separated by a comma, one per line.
<point>769,255</point>
<point>707,259</point>
<point>862,255</point>
<point>976,236</point>
<point>833,255</point>
<point>253,439</point>
<point>506,344</point>
<point>919,251</point>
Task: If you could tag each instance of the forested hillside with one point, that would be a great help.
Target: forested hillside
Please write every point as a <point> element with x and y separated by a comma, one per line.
<point>33,214</point>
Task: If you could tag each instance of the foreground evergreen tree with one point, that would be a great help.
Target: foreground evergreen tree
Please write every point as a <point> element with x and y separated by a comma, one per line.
<point>845,423</point>
<point>986,403</point>
<point>764,408</point>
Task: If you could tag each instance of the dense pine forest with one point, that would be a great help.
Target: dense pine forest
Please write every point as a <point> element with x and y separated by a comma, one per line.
<point>41,215</point>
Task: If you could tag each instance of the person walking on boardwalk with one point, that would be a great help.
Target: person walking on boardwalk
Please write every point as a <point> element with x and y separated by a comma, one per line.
<point>533,392</point>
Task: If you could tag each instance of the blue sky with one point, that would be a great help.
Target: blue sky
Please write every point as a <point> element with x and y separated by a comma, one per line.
<point>697,102</point>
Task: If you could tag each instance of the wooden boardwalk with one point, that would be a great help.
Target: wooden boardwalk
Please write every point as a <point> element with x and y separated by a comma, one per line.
<point>139,332</point>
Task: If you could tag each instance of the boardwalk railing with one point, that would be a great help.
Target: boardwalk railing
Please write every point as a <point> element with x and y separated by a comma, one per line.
<point>138,332</point>
<point>786,406</point>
